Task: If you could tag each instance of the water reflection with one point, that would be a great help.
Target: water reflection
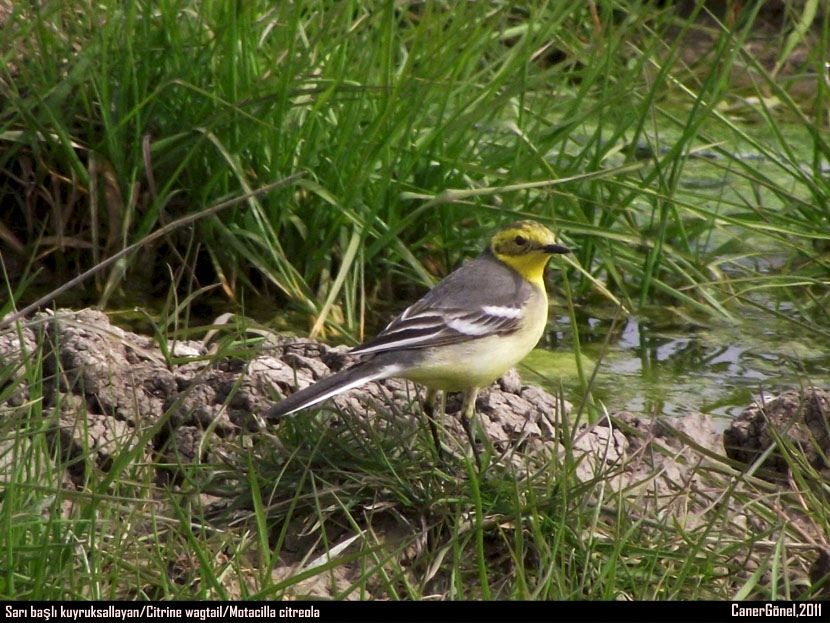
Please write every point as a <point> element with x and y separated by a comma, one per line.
<point>661,369</point>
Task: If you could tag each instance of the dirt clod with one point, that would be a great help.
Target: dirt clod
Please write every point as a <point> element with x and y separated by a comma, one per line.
<point>793,419</point>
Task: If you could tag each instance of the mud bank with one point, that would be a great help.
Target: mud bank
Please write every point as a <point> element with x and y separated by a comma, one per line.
<point>106,392</point>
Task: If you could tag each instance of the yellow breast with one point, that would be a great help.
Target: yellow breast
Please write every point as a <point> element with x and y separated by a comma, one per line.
<point>478,362</point>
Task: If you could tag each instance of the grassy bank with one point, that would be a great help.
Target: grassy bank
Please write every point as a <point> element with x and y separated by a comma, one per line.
<point>136,501</point>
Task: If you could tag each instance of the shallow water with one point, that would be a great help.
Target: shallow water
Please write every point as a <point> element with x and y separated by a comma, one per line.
<point>659,364</point>
<point>655,368</point>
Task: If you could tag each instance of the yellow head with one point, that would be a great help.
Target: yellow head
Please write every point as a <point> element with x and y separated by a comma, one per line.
<point>526,246</point>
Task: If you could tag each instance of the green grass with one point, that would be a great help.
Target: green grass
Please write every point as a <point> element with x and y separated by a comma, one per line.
<point>692,186</point>
<point>419,128</point>
<point>355,506</point>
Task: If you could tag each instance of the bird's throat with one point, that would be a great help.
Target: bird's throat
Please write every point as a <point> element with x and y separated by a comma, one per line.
<point>530,266</point>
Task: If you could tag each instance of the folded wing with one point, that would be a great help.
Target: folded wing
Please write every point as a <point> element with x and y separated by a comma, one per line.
<point>421,326</point>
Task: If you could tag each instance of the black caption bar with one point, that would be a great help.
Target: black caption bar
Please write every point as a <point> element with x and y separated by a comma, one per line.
<point>401,612</point>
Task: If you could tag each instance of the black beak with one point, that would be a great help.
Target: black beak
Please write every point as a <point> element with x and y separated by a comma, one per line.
<point>555,248</point>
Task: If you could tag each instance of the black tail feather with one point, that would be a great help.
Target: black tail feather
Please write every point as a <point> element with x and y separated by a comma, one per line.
<point>329,387</point>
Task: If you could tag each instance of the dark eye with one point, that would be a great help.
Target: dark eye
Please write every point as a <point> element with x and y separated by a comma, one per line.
<point>519,240</point>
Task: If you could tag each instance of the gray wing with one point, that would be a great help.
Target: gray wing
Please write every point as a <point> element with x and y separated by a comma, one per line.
<point>483,297</point>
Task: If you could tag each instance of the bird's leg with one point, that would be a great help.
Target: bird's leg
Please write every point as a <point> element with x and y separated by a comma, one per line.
<point>468,411</point>
<point>429,411</point>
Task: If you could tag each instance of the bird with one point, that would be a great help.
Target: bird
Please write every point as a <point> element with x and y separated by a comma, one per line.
<point>469,329</point>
